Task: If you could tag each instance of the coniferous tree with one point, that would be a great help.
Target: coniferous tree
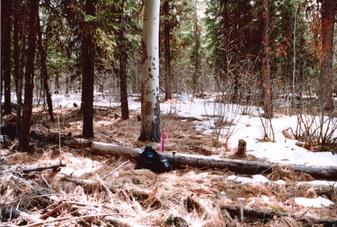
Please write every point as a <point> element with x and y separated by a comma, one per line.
<point>6,52</point>
<point>328,14</point>
<point>33,13</point>
<point>265,70</point>
<point>88,70</point>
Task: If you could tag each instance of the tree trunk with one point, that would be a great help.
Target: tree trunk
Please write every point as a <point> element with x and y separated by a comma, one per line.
<point>88,71</point>
<point>328,12</point>
<point>123,58</point>
<point>18,75</point>
<point>33,12</point>
<point>266,76</point>
<point>167,50</point>
<point>150,107</point>
<point>6,48</point>
<point>44,71</point>
<point>22,31</point>
<point>196,51</point>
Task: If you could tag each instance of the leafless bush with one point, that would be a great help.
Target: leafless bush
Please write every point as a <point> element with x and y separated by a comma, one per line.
<point>317,133</point>
<point>223,117</point>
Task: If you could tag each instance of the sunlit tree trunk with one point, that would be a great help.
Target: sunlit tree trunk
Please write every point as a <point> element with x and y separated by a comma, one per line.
<point>33,12</point>
<point>266,75</point>
<point>150,130</point>
<point>6,49</point>
<point>328,13</point>
<point>88,72</point>
<point>167,50</point>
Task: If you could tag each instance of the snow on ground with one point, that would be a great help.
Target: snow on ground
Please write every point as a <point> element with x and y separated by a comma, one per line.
<point>248,180</point>
<point>73,164</point>
<point>313,202</point>
<point>249,128</point>
<point>260,179</point>
<point>246,126</point>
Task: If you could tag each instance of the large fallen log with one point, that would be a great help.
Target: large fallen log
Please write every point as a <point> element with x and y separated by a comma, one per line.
<point>200,161</point>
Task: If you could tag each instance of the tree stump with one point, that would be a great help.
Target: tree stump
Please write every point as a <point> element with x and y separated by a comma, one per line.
<point>241,151</point>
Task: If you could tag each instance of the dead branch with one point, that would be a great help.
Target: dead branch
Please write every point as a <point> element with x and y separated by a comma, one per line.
<point>54,167</point>
<point>255,214</point>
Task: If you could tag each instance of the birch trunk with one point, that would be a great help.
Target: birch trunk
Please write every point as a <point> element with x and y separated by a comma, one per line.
<point>150,130</point>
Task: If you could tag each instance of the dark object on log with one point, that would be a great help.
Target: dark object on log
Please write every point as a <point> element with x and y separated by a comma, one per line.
<point>200,161</point>
<point>253,215</point>
<point>139,118</point>
<point>75,104</point>
<point>150,159</point>
<point>241,152</point>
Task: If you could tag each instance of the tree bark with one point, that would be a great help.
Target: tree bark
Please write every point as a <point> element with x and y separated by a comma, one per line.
<point>44,70</point>
<point>266,75</point>
<point>18,65</point>
<point>123,59</point>
<point>33,12</point>
<point>196,51</point>
<point>6,49</point>
<point>167,50</point>
<point>88,71</point>
<point>150,108</point>
<point>328,12</point>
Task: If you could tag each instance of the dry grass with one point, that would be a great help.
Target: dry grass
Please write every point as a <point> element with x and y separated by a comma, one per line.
<point>129,197</point>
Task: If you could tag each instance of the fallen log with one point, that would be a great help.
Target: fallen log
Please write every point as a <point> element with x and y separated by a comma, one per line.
<point>253,215</point>
<point>200,161</point>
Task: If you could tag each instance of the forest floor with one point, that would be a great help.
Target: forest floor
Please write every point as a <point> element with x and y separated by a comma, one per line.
<point>94,190</point>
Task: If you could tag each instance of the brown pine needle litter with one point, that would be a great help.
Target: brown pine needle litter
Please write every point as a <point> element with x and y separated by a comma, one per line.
<point>107,191</point>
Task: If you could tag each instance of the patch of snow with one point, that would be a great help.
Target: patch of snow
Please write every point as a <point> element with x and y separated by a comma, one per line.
<point>103,123</point>
<point>280,182</point>
<point>319,183</point>
<point>77,166</point>
<point>248,180</point>
<point>313,202</point>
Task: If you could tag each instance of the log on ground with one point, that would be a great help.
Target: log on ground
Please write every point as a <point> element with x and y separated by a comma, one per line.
<point>200,161</point>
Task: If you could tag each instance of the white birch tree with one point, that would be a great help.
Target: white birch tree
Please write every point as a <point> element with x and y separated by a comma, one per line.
<point>150,108</point>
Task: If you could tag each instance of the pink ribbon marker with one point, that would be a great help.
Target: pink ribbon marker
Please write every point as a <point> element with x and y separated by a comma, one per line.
<point>163,136</point>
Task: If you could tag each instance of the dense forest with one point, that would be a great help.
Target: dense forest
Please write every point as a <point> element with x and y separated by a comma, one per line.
<point>219,87</point>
